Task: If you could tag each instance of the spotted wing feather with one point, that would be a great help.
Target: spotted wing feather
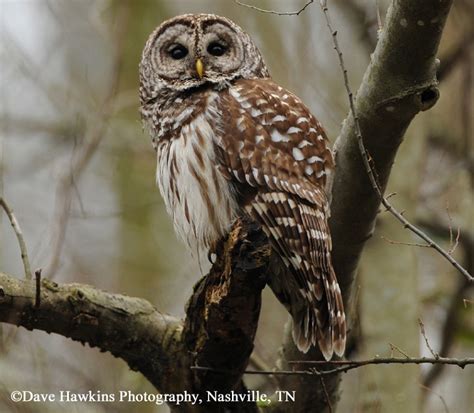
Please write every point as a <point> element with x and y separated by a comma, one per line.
<point>275,150</point>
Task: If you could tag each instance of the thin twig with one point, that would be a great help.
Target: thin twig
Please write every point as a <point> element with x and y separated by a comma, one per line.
<point>456,241</point>
<point>279,13</point>
<point>394,347</point>
<point>38,288</point>
<point>379,20</point>
<point>409,244</point>
<point>436,394</point>
<point>326,394</point>
<point>346,365</point>
<point>19,235</point>
<point>365,158</point>
<point>453,243</point>
<point>391,360</point>
<point>450,225</point>
<point>423,333</point>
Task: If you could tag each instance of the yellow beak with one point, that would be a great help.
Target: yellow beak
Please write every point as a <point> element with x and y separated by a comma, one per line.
<point>199,68</point>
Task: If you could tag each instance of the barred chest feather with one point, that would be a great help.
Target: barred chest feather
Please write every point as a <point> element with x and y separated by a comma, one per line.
<point>196,195</point>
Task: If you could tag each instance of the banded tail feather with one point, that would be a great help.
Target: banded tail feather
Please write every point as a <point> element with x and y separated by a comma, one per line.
<point>299,234</point>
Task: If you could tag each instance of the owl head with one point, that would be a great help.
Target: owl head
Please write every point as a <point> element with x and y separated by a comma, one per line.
<point>192,50</point>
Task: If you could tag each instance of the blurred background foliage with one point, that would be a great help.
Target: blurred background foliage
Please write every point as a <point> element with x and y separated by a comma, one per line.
<point>79,172</point>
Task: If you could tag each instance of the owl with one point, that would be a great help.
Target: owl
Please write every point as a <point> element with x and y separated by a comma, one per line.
<point>231,142</point>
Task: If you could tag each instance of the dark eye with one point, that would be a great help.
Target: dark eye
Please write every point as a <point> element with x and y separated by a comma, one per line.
<point>178,52</point>
<point>216,49</point>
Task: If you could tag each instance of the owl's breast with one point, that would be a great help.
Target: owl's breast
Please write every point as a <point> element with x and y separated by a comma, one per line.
<point>197,196</point>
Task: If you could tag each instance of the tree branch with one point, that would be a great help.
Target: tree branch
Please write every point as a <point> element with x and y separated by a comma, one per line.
<point>222,314</point>
<point>130,328</point>
<point>218,331</point>
<point>346,365</point>
<point>279,13</point>
<point>19,235</point>
<point>399,83</point>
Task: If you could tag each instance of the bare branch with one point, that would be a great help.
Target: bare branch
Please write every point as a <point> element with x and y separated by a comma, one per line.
<point>38,288</point>
<point>19,235</point>
<point>423,333</point>
<point>453,242</point>
<point>393,348</point>
<point>350,365</point>
<point>326,394</point>
<point>289,13</point>
<point>130,328</point>
<point>408,244</point>
<point>225,307</point>
<point>347,365</point>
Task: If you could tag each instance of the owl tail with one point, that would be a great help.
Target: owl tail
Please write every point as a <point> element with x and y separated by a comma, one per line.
<point>320,321</point>
<point>302,275</point>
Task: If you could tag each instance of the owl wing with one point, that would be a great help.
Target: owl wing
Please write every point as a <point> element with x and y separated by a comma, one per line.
<point>274,151</point>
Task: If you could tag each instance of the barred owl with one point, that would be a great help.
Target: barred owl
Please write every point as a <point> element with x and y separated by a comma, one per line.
<point>232,142</point>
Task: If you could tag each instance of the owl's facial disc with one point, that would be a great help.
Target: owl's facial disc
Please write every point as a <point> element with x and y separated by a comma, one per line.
<point>188,56</point>
<point>221,50</point>
<point>174,57</point>
<point>189,51</point>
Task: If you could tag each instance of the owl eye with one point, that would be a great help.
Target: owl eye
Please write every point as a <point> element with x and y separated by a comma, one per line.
<point>178,52</point>
<point>216,49</point>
